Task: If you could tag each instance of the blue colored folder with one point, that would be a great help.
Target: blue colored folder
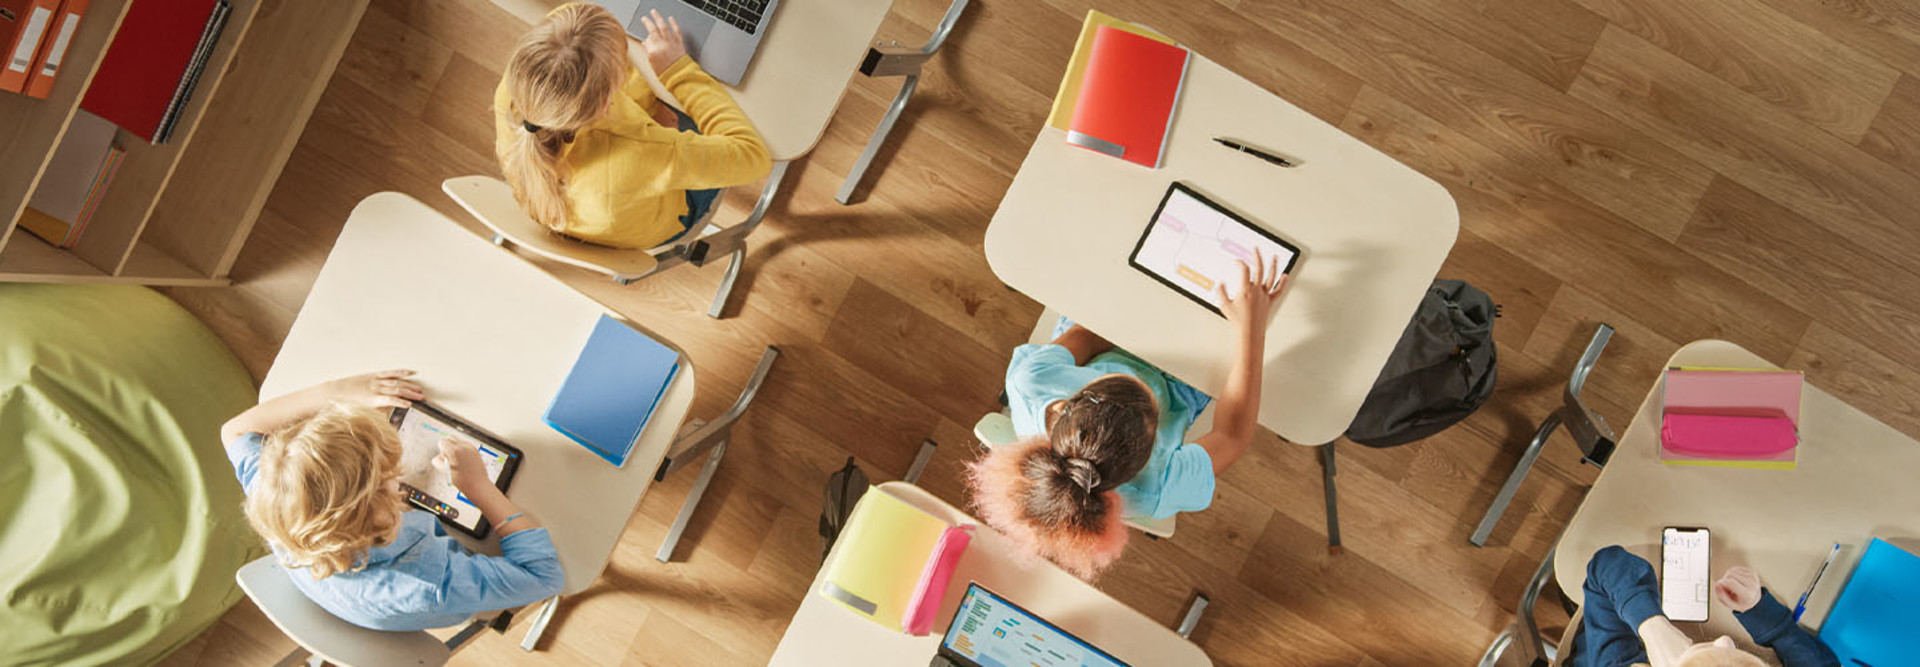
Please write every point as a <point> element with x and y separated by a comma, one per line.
<point>612,390</point>
<point>1873,622</point>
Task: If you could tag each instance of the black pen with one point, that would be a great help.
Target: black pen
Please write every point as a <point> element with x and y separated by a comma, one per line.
<point>1229,143</point>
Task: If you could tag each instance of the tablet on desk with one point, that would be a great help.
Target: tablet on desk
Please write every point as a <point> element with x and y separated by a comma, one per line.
<point>1191,245</point>
<point>429,486</point>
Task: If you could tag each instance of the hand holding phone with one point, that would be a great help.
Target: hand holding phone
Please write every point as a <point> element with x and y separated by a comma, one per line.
<point>1685,577</point>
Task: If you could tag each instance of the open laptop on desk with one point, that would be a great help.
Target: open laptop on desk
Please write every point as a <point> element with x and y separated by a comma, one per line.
<point>988,631</point>
<point>722,35</point>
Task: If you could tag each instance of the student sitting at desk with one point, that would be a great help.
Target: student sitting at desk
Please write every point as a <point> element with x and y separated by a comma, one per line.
<point>1104,436</point>
<point>321,468</point>
<point>590,152</point>
<point>1623,623</point>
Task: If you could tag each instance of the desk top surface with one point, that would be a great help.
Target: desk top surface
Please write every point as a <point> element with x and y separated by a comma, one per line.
<point>810,52</point>
<point>1853,481</point>
<point>1372,233</point>
<point>492,337</point>
<point>824,633</point>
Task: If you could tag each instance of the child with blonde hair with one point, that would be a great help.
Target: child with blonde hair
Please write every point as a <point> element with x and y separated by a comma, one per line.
<point>1622,624</point>
<point>321,468</point>
<point>589,150</point>
<point>1104,435</point>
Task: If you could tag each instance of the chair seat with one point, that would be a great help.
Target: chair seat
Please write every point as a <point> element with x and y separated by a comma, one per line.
<point>325,635</point>
<point>491,200</point>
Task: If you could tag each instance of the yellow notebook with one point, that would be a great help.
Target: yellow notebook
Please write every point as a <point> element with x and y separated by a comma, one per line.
<point>54,230</point>
<point>879,557</point>
<point>1063,101</point>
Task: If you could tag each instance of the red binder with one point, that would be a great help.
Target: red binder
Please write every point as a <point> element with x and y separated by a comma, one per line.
<point>140,73</point>
<point>47,66</point>
<point>1127,96</point>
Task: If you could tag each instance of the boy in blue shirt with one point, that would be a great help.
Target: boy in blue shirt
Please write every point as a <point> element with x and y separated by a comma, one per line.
<point>321,467</point>
<point>1622,623</point>
<point>1104,436</point>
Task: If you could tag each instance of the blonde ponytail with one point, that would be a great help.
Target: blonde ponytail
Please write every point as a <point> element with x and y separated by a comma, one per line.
<point>561,78</point>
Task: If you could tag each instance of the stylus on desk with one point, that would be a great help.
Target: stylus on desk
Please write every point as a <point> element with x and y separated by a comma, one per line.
<point>1229,143</point>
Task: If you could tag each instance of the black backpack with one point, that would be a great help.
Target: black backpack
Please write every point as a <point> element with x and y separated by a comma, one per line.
<point>1440,372</point>
<point>844,489</point>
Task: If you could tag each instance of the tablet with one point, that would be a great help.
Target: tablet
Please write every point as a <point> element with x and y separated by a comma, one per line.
<point>1191,245</point>
<point>430,487</point>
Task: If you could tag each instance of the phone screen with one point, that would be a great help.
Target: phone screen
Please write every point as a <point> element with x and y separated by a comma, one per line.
<point>1684,578</point>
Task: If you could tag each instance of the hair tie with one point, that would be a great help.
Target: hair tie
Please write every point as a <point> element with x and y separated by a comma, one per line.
<point>1083,473</point>
<point>530,127</point>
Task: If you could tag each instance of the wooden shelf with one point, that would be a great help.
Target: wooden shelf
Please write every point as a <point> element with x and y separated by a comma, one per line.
<point>177,213</point>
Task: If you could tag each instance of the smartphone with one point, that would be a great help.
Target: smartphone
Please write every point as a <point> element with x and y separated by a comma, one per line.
<point>1684,579</point>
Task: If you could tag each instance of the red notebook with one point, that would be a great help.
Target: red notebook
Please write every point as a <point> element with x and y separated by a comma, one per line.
<point>1127,96</point>
<point>141,71</point>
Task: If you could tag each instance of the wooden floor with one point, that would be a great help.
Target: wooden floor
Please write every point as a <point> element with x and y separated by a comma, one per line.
<point>1737,169</point>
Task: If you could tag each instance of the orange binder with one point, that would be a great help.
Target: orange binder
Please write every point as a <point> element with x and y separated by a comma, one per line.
<point>31,22</point>
<point>47,66</point>
<point>1127,96</point>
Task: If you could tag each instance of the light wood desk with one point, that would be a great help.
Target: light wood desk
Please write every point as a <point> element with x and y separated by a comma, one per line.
<point>824,633</point>
<point>1854,480</point>
<point>493,338</point>
<point>796,80</point>
<point>1372,233</point>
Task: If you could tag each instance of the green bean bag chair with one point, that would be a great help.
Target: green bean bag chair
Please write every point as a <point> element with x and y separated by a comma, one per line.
<point>120,522</point>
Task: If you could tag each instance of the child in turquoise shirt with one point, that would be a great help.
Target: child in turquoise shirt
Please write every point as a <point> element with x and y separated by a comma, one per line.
<point>1103,435</point>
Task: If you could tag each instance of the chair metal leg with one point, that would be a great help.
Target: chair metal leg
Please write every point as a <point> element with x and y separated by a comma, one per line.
<point>693,502</point>
<point>920,461</point>
<point>467,634</point>
<point>894,60</point>
<point>726,281</point>
<point>1192,619</point>
<point>539,625</point>
<point>1333,498</point>
<point>1519,474</point>
<point>300,656</point>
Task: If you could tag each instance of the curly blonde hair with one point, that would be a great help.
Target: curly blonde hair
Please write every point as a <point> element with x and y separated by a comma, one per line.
<point>323,493</point>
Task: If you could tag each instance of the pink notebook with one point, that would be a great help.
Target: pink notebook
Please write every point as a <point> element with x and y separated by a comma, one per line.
<point>924,606</point>
<point>1731,417</point>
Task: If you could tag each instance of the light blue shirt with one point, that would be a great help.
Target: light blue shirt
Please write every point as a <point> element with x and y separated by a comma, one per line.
<point>424,579</point>
<point>1179,475</point>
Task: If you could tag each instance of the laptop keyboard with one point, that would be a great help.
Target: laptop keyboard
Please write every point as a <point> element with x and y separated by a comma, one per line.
<point>742,14</point>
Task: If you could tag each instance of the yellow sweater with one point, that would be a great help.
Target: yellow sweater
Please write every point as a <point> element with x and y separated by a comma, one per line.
<point>628,175</point>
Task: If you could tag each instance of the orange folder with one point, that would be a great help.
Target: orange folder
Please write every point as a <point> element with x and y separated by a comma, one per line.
<point>28,27</point>
<point>1127,96</point>
<point>47,65</point>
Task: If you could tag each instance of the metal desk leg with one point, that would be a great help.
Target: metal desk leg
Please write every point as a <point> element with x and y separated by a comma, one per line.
<point>1512,486</point>
<point>1333,498</point>
<point>539,626</point>
<point>710,439</point>
<point>920,461</point>
<point>894,60</point>
<point>1192,618</point>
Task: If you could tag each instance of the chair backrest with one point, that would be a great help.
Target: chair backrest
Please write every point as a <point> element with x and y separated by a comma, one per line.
<point>324,634</point>
<point>491,200</point>
<point>996,428</point>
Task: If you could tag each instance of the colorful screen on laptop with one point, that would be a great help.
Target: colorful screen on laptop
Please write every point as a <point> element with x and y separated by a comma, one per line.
<point>989,631</point>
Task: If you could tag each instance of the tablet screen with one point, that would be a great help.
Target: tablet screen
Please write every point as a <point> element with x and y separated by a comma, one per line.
<point>431,486</point>
<point>1191,244</point>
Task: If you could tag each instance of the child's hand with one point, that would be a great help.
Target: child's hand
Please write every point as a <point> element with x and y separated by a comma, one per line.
<point>1251,303</point>
<point>663,44</point>
<point>1738,589</point>
<point>385,389</point>
<point>464,466</point>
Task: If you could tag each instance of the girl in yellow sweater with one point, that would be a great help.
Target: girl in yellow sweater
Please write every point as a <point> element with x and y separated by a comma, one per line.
<point>591,152</point>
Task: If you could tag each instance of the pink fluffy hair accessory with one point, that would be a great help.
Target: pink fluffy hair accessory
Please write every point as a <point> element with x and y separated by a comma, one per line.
<point>998,487</point>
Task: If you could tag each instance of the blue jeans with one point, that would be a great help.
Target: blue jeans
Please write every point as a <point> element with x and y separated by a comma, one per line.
<point>698,201</point>
<point>1191,396</point>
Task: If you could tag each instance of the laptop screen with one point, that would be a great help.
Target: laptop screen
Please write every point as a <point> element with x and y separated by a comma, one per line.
<point>989,631</point>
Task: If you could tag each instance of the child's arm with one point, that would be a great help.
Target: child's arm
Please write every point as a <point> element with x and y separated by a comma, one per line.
<point>527,569</point>
<point>1083,343</point>
<point>469,475</point>
<point>1239,402</point>
<point>1769,622</point>
<point>373,390</point>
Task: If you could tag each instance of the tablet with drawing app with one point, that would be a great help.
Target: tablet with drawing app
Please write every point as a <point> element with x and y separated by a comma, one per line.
<point>1191,245</point>
<point>429,486</point>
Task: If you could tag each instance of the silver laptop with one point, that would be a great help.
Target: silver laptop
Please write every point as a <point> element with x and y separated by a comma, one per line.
<point>722,35</point>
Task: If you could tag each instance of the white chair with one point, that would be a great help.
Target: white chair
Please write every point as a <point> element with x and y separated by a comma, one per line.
<point>491,200</point>
<point>324,638</point>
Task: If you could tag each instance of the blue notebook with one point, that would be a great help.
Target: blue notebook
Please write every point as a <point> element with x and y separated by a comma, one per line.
<point>1873,621</point>
<point>612,390</point>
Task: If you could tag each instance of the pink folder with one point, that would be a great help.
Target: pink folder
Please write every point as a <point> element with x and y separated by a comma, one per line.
<point>1731,417</point>
<point>924,606</point>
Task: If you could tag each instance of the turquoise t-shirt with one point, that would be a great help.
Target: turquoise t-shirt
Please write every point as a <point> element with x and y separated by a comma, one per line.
<point>1179,475</point>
